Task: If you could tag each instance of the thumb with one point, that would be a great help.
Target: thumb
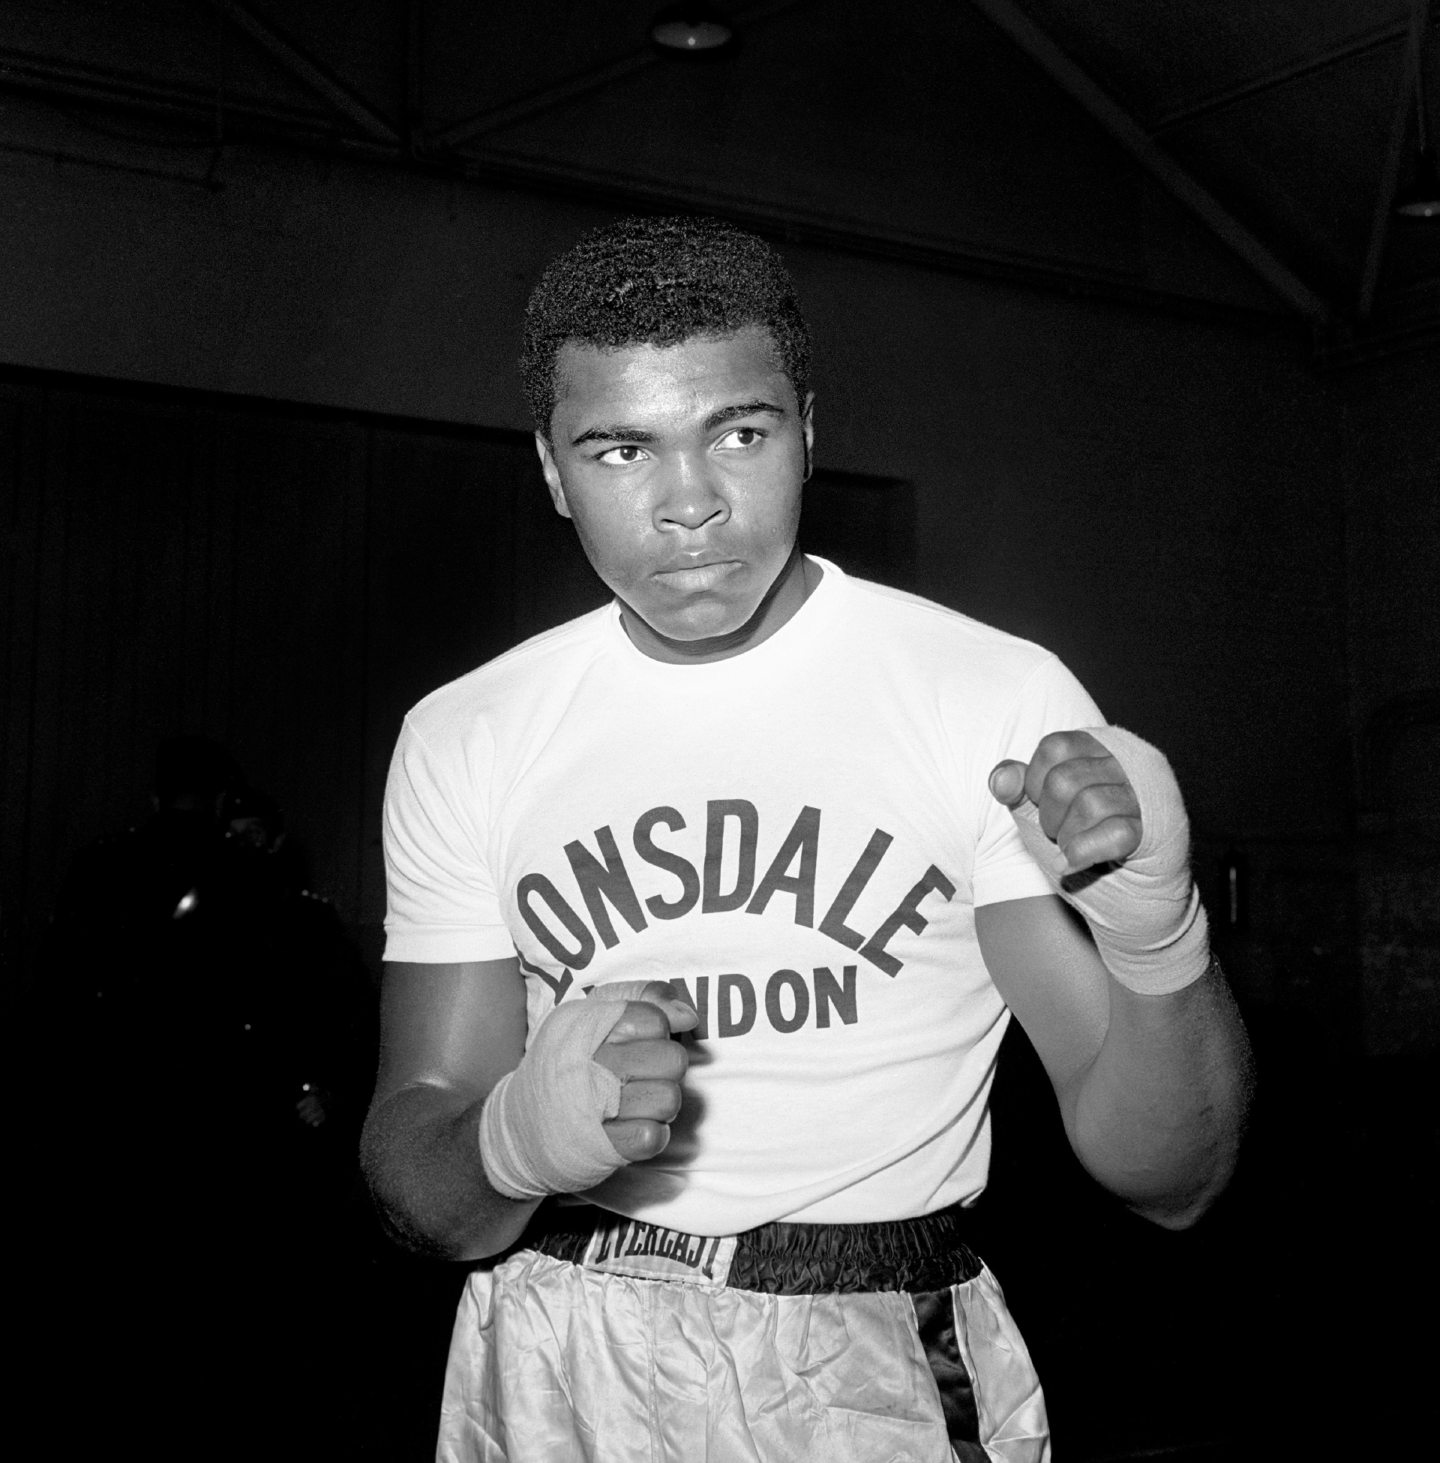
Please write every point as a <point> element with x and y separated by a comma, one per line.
<point>1007,786</point>
<point>673,1001</point>
<point>681,1014</point>
<point>1007,783</point>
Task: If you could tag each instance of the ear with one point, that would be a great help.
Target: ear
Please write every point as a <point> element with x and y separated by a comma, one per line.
<point>807,431</point>
<point>551,472</point>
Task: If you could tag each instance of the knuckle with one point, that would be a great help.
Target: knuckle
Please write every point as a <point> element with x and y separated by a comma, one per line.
<point>1060,783</point>
<point>1111,840</point>
<point>1057,746</point>
<point>650,1099</point>
<point>1092,803</point>
<point>1126,832</point>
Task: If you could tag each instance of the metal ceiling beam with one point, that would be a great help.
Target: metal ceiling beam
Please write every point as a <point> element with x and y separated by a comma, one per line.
<point>533,104</point>
<point>788,225</point>
<point>52,80</point>
<point>413,111</point>
<point>310,73</point>
<point>1141,147</point>
<point>1407,97</point>
<point>796,226</point>
<point>536,102</point>
<point>1362,45</point>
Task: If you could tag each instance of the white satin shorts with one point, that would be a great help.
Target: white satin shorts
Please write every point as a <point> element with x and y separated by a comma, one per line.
<point>554,1362</point>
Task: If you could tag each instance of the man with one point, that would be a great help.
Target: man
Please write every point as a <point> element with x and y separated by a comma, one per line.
<point>827,835</point>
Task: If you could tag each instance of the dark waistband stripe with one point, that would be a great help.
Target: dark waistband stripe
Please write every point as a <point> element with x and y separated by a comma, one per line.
<point>913,1255</point>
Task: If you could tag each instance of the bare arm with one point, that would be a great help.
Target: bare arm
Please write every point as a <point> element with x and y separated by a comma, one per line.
<point>1113,982</point>
<point>448,1033</point>
<point>1152,1088</point>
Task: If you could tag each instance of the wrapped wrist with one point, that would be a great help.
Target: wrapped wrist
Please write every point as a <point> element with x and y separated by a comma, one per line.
<point>540,1129</point>
<point>1165,966</point>
<point>1145,912</point>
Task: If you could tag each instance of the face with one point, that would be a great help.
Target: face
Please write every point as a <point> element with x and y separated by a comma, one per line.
<point>681,467</point>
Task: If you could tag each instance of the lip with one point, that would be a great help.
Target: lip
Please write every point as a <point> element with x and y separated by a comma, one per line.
<point>702,573</point>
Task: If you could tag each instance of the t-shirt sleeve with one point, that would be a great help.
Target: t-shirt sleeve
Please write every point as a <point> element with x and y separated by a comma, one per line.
<point>1050,699</point>
<point>441,901</point>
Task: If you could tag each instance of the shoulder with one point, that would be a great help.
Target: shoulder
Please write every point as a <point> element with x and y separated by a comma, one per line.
<point>941,641</point>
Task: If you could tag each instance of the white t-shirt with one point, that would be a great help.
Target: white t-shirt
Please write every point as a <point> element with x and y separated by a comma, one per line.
<point>799,834</point>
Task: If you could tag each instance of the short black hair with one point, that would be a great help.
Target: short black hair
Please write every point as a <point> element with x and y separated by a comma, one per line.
<point>659,281</point>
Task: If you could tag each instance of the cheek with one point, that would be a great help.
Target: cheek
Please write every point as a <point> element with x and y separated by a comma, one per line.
<point>773,511</point>
<point>610,537</point>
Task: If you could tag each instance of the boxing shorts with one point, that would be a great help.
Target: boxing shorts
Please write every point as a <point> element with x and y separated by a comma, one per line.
<point>608,1340</point>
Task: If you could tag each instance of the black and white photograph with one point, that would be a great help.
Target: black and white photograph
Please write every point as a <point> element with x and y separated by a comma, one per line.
<point>720,729</point>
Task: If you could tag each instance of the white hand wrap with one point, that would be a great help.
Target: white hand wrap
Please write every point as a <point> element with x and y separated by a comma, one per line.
<point>1144,913</point>
<point>540,1127</point>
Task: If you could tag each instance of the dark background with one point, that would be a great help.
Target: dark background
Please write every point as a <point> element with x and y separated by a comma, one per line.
<point>1117,348</point>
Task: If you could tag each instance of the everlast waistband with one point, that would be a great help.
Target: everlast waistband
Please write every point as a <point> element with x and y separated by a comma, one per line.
<point>914,1255</point>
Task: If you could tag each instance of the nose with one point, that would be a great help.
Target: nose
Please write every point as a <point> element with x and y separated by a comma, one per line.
<point>690,496</point>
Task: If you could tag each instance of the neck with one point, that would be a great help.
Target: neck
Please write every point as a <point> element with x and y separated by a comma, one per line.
<point>792,586</point>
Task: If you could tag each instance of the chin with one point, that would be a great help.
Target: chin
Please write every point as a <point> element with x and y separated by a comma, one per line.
<point>691,632</point>
<point>705,622</point>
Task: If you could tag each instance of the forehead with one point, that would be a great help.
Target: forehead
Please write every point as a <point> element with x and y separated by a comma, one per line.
<point>703,367</point>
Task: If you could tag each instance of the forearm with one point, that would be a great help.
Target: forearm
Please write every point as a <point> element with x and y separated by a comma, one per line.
<point>420,1151</point>
<point>1156,1116</point>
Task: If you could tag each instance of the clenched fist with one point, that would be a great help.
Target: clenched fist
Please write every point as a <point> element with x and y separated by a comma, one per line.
<point>1084,803</point>
<point>596,1088</point>
<point>1099,810</point>
<point>647,1063</point>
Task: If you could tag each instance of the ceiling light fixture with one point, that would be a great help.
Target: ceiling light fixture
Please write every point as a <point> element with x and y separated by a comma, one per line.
<point>692,30</point>
<point>1420,198</point>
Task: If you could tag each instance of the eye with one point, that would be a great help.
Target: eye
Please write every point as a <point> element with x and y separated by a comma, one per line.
<point>737,439</point>
<point>622,456</point>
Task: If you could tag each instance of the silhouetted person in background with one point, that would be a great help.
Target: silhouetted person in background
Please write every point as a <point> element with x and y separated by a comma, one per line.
<point>131,899</point>
<point>218,1020</point>
<point>308,1051</point>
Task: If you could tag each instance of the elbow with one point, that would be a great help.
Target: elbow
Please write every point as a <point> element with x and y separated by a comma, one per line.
<point>1171,1189</point>
<point>414,1227</point>
<point>1175,1217</point>
<point>1173,1177</point>
<point>425,1206</point>
<point>1183,1208</point>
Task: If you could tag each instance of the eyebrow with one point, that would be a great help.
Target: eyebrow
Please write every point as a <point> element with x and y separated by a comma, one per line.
<point>613,434</point>
<point>618,432</point>
<point>742,409</point>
